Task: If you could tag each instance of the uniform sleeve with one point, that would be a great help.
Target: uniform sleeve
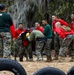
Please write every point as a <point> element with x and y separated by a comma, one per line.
<point>12,30</point>
<point>63,22</point>
<point>60,32</point>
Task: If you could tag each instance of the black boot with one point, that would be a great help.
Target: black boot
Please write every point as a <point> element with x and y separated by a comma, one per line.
<point>49,59</point>
<point>21,58</point>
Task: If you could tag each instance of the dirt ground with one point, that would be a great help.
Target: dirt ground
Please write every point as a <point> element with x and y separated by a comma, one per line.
<point>31,67</point>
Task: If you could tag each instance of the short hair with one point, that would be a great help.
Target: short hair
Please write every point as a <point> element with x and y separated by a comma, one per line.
<point>20,23</point>
<point>72,13</point>
<point>2,6</point>
<point>54,15</point>
<point>37,22</point>
<point>45,19</point>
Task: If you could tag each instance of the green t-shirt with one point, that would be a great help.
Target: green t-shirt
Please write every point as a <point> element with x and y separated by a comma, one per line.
<point>5,22</point>
<point>47,31</point>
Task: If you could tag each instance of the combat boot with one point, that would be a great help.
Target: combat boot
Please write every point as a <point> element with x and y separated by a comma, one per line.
<point>72,59</point>
<point>56,57</point>
<point>61,59</point>
<point>49,59</point>
<point>21,58</point>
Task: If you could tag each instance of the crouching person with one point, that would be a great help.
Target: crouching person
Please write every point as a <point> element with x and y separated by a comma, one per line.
<point>37,36</point>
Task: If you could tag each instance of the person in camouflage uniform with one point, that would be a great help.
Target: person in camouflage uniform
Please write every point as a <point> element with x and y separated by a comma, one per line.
<point>48,35</point>
<point>67,35</point>
<point>6,26</point>
<point>39,38</point>
<point>19,46</point>
<point>24,47</point>
<point>56,37</point>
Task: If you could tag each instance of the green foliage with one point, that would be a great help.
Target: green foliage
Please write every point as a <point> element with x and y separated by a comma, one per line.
<point>6,2</point>
<point>62,8</point>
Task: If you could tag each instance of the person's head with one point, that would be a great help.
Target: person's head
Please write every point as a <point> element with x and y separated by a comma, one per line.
<point>20,26</point>
<point>37,24</point>
<point>3,7</point>
<point>72,16</point>
<point>54,17</point>
<point>58,24</point>
<point>44,22</point>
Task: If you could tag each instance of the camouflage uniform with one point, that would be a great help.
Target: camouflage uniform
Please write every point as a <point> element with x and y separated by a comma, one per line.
<point>48,47</point>
<point>39,46</point>
<point>5,43</point>
<point>22,50</point>
<point>65,45</point>
<point>38,37</point>
<point>57,43</point>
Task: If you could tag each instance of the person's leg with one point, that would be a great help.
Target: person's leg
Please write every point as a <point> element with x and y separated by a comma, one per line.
<point>21,53</point>
<point>65,45</point>
<point>1,46</point>
<point>56,46</point>
<point>39,46</point>
<point>6,44</point>
<point>71,51</point>
<point>48,50</point>
<point>29,50</point>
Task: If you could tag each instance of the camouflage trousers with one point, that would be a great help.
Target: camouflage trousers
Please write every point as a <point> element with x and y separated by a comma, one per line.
<point>65,45</point>
<point>5,44</point>
<point>48,47</point>
<point>71,49</point>
<point>57,43</point>
<point>39,46</point>
<point>21,50</point>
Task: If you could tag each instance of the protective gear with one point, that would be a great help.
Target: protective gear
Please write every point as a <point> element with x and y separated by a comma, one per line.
<point>27,35</point>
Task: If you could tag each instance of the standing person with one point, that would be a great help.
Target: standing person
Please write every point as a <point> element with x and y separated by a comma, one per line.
<point>48,34</point>
<point>6,32</point>
<point>56,38</point>
<point>67,34</point>
<point>39,37</point>
<point>38,27</point>
<point>19,45</point>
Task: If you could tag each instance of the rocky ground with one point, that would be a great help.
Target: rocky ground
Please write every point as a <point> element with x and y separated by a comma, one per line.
<point>31,67</point>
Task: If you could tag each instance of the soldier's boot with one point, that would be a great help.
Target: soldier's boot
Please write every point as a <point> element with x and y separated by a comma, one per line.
<point>39,58</point>
<point>61,59</point>
<point>49,59</point>
<point>56,57</point>
<point>1,56</point>
<point>72,59</point>
<point>21,58</point>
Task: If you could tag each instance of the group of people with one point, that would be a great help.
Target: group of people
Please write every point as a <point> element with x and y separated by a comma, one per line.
<point>39,38</point>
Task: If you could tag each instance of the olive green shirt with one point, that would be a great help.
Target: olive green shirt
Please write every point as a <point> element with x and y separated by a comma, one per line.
<point>35,34</point>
